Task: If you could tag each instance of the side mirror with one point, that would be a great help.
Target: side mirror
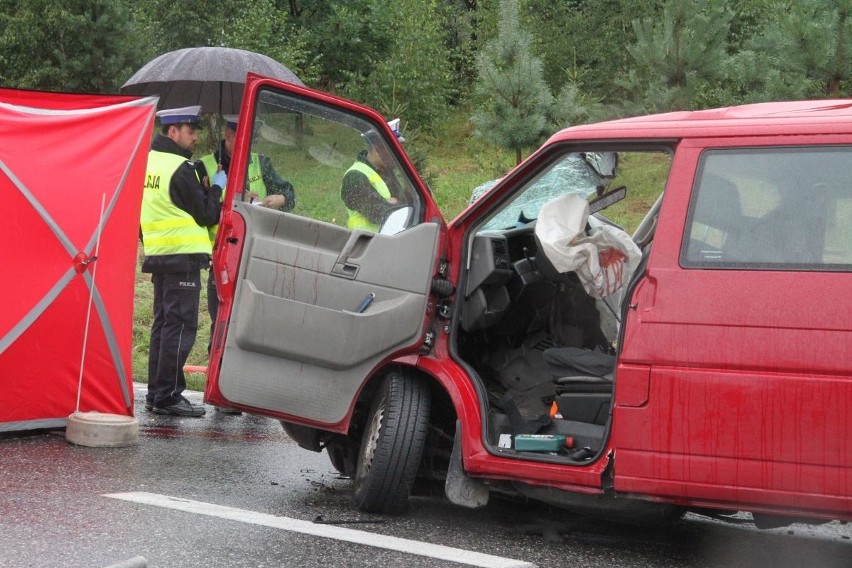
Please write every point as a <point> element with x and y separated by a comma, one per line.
<point>397,221</point>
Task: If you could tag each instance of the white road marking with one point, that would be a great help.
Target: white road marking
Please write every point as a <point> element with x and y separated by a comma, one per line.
<point>416,547</point>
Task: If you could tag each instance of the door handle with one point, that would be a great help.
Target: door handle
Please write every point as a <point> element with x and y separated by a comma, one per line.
<point>345,269</point>
<point>358,240</point>
<point>354,247</point>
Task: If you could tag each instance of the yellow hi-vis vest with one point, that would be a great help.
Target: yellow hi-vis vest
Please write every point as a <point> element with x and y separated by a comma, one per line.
<point>166,228</point>
<point>356,219</point>
<point>255,177</point>
<point>255,182</point>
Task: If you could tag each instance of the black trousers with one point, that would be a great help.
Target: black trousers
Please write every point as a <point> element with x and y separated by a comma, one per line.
<point>176,299</point>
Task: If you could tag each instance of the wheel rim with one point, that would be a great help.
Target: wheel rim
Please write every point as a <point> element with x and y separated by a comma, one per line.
<point>372,440</point>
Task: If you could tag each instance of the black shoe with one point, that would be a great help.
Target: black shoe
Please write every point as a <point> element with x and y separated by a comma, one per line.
<point>182,408</point>
<point>229,410</point>
<point>149,407</point>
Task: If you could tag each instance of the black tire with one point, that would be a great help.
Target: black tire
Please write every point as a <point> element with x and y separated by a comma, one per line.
<point>343,454</point>
<point>392,445</point>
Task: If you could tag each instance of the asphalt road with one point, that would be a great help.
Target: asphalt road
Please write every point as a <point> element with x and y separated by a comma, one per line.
<point>235,491</point>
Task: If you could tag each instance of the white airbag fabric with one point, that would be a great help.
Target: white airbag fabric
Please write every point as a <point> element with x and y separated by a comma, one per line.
<point>603,259</point>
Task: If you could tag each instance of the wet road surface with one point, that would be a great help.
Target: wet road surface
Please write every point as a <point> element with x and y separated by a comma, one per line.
<point>236,491</point>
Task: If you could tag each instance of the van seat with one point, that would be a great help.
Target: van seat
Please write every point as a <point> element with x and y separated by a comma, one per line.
<point>583,381</point>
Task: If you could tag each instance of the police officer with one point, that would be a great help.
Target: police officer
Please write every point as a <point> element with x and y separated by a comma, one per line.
<point>178,205</point>
<point>263,183</point>
<point>366,193</point>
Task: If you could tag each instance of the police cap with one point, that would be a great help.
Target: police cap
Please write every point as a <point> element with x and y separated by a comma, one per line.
<point>231,121</point>
<point>183,115</point>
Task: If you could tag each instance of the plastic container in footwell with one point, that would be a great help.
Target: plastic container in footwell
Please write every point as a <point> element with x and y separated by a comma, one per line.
<point>542,442</point>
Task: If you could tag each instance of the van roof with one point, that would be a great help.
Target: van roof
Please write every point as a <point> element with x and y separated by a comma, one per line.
<point>791,117</point>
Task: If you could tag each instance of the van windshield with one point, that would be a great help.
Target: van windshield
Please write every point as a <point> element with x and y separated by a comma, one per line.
<point>640,175</point>
<point>576,173</point>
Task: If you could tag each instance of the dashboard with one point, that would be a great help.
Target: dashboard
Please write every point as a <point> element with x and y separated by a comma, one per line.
<point>502,270</point>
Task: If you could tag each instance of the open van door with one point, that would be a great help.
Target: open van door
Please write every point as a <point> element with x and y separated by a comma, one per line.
<point>315,296</point>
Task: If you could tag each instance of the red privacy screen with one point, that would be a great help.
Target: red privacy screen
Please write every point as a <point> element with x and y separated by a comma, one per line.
<point>71,175</point>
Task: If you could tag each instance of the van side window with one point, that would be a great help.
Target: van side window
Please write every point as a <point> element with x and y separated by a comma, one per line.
<point>771,209</point>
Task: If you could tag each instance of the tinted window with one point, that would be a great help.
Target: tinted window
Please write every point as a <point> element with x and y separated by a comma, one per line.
<point>772,209</point>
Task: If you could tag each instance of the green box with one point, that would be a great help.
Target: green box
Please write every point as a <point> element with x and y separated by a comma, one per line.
<point>539,442</point>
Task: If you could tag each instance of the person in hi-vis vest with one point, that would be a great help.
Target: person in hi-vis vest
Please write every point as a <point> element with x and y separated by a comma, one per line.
<point>368,195</point>
<point>179,203</point>
<point>263,184</point>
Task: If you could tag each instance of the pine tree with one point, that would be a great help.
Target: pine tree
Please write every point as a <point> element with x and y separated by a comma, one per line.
<point>676,55</point>
<point>804,52</point>
<point>516,102</point>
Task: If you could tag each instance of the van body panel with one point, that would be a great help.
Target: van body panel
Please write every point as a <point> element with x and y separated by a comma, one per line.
<point>750,388</point>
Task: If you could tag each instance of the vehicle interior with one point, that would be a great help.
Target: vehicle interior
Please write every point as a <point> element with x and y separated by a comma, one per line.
<point>536,325</point>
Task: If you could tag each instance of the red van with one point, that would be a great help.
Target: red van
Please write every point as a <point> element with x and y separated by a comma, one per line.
<point>532,346</point>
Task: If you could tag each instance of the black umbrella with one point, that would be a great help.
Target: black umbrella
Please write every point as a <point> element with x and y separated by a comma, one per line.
<point>213,77</point>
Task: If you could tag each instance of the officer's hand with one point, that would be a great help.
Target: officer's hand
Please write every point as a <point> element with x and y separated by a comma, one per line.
<point>274,201</point>
<point>220,179</point>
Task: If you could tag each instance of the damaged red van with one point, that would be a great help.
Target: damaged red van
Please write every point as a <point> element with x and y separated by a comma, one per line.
<point>532,346</point>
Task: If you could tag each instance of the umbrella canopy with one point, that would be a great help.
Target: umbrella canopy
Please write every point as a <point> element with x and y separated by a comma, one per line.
<point>212,77</point>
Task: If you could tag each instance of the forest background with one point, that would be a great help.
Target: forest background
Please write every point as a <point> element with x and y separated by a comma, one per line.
<point>479,84</point>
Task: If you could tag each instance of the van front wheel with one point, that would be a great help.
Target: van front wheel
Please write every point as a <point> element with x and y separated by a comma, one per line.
<point>392,445</point>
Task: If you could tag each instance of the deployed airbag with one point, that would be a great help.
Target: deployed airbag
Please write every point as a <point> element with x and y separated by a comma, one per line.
<point>603,258</point>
